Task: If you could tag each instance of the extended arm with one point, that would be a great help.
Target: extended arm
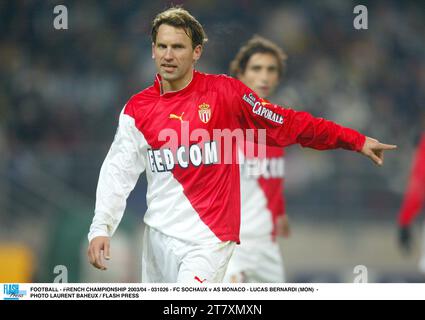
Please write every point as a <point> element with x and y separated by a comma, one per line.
<point>285,126</point>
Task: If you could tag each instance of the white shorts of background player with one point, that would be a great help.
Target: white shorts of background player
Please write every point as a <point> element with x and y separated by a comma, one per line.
<point>256,260</point>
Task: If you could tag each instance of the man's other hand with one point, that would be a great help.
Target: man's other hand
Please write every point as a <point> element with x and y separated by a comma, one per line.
<point>99,249</point>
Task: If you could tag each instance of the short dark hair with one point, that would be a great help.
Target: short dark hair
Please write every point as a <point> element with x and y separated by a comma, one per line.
<point>180,18</point>
<point>255,45</point>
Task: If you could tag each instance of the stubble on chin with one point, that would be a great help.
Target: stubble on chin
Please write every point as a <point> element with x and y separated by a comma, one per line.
<point>168,76</point>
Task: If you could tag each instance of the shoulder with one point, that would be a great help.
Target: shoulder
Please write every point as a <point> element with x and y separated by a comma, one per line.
<point>224,79</point>
<point>214,79</point>
<point>140,101</point>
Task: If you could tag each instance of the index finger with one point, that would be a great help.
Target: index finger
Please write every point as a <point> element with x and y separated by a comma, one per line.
<point>384,146</point>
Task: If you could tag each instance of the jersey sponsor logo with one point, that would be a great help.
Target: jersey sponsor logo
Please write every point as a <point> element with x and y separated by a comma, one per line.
<point>258,108</point>
<point>250,99</point>
<point>164,160</point>
<point>266,168</point>
<point>204,112</point>
<point>174,116</point>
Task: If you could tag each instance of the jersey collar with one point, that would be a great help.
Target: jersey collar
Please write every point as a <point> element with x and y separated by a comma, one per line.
<point>158,81</point>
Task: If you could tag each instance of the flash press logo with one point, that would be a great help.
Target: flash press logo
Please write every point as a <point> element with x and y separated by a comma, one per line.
<point>12,292</point>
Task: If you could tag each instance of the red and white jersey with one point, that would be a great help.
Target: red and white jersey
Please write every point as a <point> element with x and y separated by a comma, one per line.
<point>262,200</point>
<point>193,195</point>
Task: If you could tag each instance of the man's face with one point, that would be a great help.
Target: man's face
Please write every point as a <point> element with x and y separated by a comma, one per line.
<point>261,74</point>
<point>173,54</point>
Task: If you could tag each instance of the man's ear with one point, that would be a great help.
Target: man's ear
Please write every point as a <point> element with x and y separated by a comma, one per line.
<point>197,52</point>
<point>153,52</point>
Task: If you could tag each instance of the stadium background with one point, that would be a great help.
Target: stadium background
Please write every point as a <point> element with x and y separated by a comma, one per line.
<point>61,92</point>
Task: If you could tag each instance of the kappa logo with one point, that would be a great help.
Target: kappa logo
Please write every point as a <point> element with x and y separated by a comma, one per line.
<point>204,112</point>
<point>174,116</point>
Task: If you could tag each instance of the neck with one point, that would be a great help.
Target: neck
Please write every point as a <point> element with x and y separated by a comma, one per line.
<point>176,85</point>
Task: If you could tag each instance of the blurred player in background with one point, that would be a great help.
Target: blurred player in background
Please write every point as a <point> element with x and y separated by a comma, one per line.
<point>413,202</point>
<point>193,216</point>
<point>260,64</point>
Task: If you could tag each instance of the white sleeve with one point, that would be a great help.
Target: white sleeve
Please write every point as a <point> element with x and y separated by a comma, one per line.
<point>119,173</point>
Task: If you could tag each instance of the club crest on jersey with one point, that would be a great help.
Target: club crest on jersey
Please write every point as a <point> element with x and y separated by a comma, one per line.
<point>204,112</point>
